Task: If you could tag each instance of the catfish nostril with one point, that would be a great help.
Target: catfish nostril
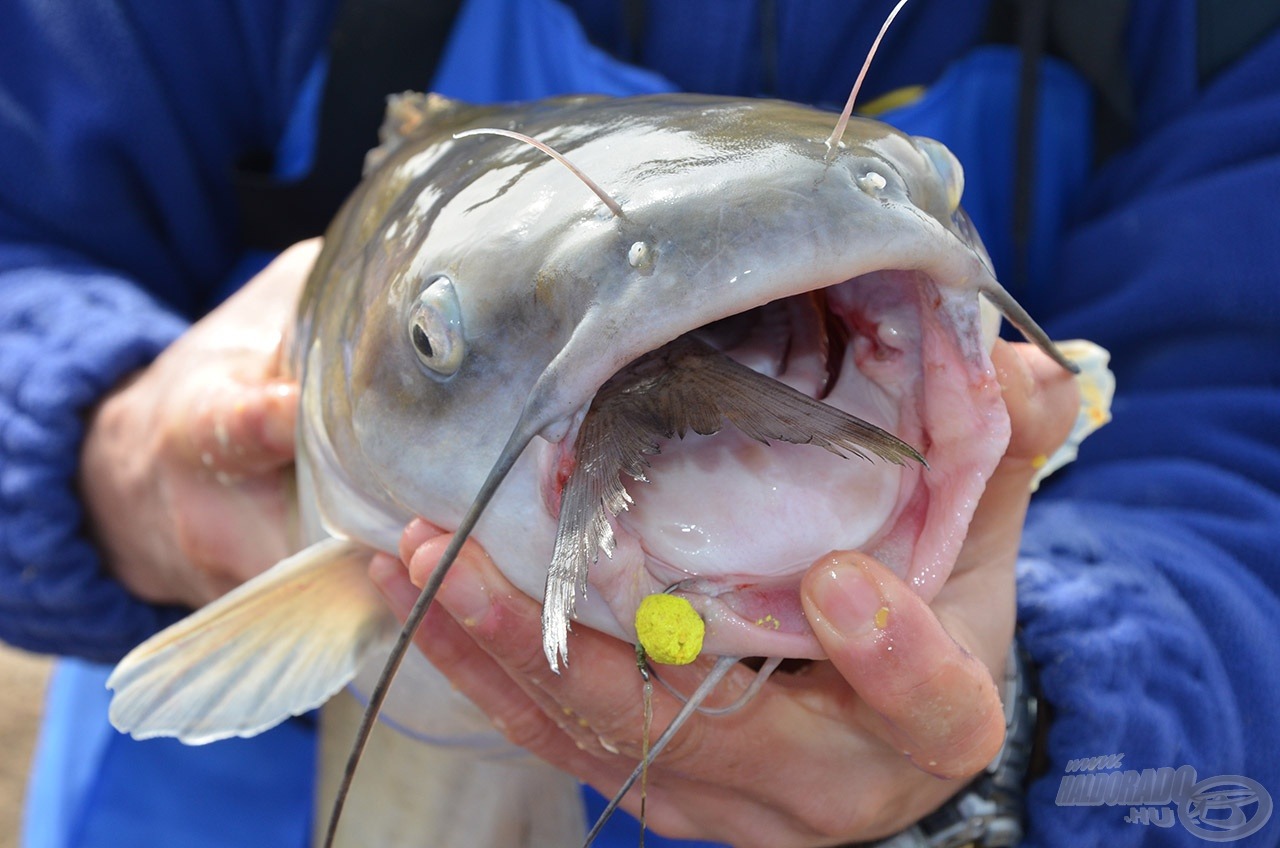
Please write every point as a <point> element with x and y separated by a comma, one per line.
<point>872,182</point>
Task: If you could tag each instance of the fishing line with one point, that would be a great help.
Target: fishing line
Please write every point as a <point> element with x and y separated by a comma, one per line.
<point>762,676</point>
<point>506,461</point>
<point>647,699</point>
<point>718,671</point>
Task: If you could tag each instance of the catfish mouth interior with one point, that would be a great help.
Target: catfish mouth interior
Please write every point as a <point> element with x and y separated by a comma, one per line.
<point>846,345</point>
<point>733,525</point>
<point>797,335</point>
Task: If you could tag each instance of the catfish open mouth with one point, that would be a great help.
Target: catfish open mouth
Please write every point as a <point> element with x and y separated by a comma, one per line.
<point>732,523</point>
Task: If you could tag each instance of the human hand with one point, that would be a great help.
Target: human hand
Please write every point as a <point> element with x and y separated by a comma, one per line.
<point>186,467</point>
<point>851,749</point>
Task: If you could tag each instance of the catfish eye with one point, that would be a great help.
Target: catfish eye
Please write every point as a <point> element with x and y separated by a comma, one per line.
<point>435,327</point>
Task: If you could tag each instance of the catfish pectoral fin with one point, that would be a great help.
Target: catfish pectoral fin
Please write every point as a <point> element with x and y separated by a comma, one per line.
<point>278,646</point>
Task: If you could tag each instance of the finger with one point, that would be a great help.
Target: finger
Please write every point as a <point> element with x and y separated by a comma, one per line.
<point>242,429</point>
<point>415,535</point>
<point>600,682</point>
<point>507,624</point>
<point>451,647</point>
<point>932,699</point>
<point>1042,400</point>
<point>588,720</point>
<point>297,259</point>
<point>272,293</point>
<point>550,733</point>
<point>596,699</point>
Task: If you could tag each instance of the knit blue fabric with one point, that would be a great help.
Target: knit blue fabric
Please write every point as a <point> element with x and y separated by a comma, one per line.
<point>117,224</point>
<point>1147,591</point>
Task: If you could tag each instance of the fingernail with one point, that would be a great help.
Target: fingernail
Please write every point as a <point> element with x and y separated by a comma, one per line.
<point>465,596</point>
<point>847,600</point>
<point>415,535</point>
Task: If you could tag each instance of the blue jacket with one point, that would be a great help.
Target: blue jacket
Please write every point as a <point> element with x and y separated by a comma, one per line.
<point>1148,586</point>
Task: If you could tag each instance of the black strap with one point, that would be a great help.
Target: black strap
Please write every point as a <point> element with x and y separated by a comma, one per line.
<point>1089,34</point>
<point>377,47</point>
<point>1226,29</point>
<point>635,24</point>
<point>1033,33</point>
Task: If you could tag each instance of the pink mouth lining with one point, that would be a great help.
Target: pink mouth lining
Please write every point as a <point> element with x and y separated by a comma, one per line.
<point>915,349</point>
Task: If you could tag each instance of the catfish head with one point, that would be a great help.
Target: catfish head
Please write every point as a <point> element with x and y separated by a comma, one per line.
<point>474,296</point>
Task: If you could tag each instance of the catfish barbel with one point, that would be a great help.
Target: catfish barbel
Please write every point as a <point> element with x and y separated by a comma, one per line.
<point>470,300</point>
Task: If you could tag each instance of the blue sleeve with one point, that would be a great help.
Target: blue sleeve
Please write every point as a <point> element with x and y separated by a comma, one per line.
<point>65,338</point>
<point>1149,581</point>
<point>120,126</point>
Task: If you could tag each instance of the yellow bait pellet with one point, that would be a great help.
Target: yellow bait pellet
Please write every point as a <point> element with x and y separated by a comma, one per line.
<point>669,629</point>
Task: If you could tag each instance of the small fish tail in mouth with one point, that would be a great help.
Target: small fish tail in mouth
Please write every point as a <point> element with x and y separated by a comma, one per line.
<point>685,386</point>
<point>890,367</point>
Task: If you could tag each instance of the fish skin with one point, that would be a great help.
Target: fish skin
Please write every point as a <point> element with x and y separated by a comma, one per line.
<point>544,268</point>
<point>717,189</point>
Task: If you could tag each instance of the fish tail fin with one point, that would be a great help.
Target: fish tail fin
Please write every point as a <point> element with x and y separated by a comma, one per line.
<point>277,646</point>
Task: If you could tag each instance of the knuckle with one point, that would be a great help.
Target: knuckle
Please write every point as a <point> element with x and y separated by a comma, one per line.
<point>528,727</point>
<point>829,817</point>
<point>501,633</point>
<point>545,729</point>
<point>191,541</point>
<point>962,736</point>
<point>970,747</point>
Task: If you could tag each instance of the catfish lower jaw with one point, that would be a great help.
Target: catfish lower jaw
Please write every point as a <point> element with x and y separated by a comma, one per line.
<point>752,618</point>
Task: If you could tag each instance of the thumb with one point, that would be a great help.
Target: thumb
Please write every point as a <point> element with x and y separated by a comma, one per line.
<point>926,695</point>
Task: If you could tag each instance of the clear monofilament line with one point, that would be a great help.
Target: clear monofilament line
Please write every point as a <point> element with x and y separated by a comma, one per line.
<point>768,667</point>
<point>644,750</point>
